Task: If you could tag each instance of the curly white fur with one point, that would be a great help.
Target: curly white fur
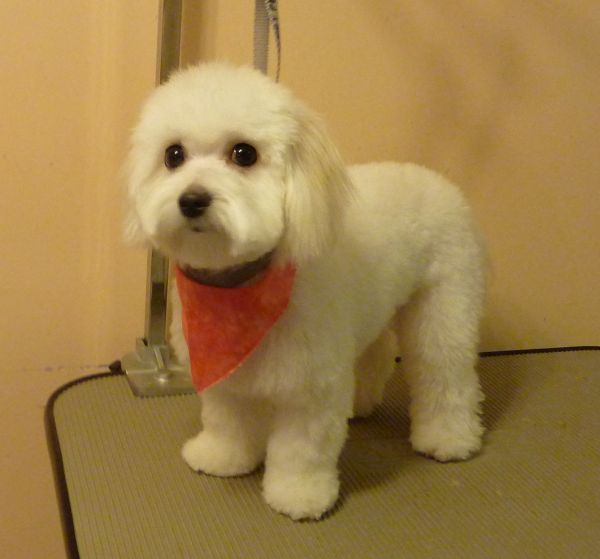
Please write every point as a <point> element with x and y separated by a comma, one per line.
<point>384,252</point>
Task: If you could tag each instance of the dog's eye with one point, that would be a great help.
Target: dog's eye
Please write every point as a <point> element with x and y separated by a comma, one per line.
<point>244,155</point>
<point>174,156</point>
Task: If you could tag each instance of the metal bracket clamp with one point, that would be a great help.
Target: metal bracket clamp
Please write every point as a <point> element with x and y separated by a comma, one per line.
<point>151,372</point>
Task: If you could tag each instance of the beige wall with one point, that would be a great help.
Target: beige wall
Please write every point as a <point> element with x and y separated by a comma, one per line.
<point>501,96</point>
<point>73,75</point>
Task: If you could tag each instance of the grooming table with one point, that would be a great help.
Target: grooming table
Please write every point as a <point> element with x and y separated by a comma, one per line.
<point>533,492</point>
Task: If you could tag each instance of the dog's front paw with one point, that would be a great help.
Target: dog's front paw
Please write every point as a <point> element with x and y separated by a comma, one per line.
<point>218,456</point>
<point>301,496</point>
<point>448,440</point>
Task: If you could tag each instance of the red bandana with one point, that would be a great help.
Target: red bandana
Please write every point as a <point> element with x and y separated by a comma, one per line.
<point>222,325</point>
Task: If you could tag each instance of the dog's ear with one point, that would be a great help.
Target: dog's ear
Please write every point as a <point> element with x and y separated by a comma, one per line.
<point>317,190</point>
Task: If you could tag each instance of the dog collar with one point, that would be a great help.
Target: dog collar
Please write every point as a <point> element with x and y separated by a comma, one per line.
<point>223,326</point>
<point>234,276</point>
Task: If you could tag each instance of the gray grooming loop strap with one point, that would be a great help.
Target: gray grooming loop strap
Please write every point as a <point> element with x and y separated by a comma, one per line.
<point>266,15</point>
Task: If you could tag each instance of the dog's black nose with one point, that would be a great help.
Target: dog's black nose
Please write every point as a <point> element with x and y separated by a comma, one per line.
<point>193,204</point>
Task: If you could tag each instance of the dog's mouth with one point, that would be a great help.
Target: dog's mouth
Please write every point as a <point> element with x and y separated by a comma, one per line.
<point>200,225</point>
<point>205,225</point>
<point>235,276</point>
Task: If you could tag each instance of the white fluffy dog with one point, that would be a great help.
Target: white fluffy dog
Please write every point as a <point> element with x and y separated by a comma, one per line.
<point>384,254</point>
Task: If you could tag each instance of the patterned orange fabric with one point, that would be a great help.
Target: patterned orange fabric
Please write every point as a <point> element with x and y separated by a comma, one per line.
<point>222,326</point>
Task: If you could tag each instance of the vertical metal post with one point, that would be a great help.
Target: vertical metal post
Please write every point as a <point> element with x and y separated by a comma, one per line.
<point>261,36</point>
<point>157,286</point>
<point>170,38</point>
<point>150,369</point>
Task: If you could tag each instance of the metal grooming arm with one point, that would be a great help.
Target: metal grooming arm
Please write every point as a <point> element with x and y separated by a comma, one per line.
<point>150,369</point>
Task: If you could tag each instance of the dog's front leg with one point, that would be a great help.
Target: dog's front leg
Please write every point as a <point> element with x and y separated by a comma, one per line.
<point>301,476</point>
<point>233,438</point>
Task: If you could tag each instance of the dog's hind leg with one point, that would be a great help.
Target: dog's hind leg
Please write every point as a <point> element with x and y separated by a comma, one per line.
<point>438,333</point>
<point>373,369</point>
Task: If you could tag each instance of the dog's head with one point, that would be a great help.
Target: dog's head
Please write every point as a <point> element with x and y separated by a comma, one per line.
<point>227,166</point>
